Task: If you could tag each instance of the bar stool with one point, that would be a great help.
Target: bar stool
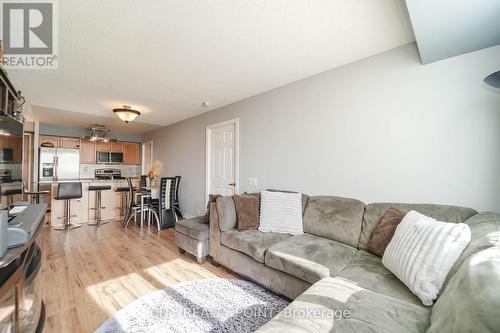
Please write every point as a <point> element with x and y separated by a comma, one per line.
<point>34,195</point>
<point>67,192</point>
<point>10,193</point>
<point>98,203</point>
<point>124,199</point>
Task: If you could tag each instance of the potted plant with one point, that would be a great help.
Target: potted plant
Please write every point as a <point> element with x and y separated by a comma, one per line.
<point>154,172</point>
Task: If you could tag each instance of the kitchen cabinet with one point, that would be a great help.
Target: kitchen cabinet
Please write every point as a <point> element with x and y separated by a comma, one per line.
<point>87,152</point>
<point>116,147</point>
<point>49,141</point>
<point>15,144</point>
<point>102,146</point>
<point>69,143</point>
<point>131,153</point>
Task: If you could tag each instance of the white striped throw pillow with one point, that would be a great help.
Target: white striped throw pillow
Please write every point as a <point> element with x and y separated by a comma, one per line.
<point>281,212</point>
<point>422,252</point>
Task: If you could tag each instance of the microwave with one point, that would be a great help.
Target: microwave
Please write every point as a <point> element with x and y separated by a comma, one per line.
<point>107,157</point>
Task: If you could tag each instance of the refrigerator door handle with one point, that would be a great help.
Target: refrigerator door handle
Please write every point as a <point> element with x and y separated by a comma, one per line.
<point>56,160</point>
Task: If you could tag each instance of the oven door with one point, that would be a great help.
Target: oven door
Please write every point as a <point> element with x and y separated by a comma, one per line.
<point>116,157</point>
<point>102,157</point>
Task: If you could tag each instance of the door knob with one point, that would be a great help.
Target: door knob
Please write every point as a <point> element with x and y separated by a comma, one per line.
<point>232,184</point>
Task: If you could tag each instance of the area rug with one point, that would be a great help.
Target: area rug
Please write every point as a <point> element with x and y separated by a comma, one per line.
<point>208,305</point>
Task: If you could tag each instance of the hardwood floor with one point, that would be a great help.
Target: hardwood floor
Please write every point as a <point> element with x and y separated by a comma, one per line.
<point>91,272</point>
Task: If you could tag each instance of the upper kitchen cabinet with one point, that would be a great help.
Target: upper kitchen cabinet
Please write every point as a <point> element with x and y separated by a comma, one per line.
<point>102,146</point>
<point>49,141</point>
<point>87,152</point>
<point>131,153</point>
<point>116,147</point>
<point>69,143</point>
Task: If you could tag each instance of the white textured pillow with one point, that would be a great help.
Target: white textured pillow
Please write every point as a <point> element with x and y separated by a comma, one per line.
<point>422,252</point>
<point>281,212</point>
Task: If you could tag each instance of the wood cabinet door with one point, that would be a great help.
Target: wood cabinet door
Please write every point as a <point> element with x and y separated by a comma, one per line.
<point>70,143</point>
<point>87,152</point>
<point>49,140</point>
<point>116,147</point>
<point>131,153</point>
<point>102,146</point>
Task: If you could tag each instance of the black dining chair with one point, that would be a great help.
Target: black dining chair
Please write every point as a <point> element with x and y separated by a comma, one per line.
<point>133,207</point>
<point>165,205</point>
<point>177,206</point>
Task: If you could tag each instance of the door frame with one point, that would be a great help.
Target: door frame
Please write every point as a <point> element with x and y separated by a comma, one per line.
<point>143,153</point>
<point>209,128</point>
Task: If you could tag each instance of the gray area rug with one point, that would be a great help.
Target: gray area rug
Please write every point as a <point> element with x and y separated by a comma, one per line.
<point>209,305</point>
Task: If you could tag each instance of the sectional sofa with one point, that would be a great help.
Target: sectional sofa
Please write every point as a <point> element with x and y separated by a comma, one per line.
<point>338,286</point>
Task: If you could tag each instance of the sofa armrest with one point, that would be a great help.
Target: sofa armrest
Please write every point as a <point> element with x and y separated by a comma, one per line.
<point>214,232</point>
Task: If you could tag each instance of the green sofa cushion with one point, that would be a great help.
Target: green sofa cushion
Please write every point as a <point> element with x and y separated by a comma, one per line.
<point>366,271</point>
<point>367,311</point>
<point>374,211</point>
<point>251,242</point>
<point>309,257</point>
<point>334,218</point>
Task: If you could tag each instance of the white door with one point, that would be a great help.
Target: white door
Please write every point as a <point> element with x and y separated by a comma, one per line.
<point>222,153</point>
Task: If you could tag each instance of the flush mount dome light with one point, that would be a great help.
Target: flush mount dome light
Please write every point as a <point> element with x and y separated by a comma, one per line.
<point>492,81</point>
<point>126,113</point>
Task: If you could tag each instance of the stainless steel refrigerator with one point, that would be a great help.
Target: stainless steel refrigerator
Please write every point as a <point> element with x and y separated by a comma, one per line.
<point>59,164</point>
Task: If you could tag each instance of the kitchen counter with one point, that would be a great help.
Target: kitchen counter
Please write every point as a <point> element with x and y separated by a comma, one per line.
<point>83,207</point>
<point>84,180</point>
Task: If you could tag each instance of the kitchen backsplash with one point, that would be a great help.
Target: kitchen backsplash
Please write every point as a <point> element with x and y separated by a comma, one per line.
<point>87,170</point>
<point>15,168</point>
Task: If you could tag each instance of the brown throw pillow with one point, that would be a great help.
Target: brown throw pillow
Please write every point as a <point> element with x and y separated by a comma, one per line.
<point>247,211</point>
<point>383,232</point>
<point>211,199</point>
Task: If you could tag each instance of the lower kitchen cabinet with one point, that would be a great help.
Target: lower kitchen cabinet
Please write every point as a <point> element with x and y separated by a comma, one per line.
<point>82,208</point>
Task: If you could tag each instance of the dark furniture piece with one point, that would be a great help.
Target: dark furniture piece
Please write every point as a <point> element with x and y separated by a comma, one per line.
<point>98,203</point>
<point>165,205</point>
<point>176,199</point>
<point>67,192</point>
<point>10,193</point>
<point>21,303</point>
<point>123,199</point>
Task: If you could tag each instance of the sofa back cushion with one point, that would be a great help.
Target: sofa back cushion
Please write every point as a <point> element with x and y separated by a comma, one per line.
<point>375,211</point>
<point>334,218</point>
<point>470,302</point>
<point>227,213</point>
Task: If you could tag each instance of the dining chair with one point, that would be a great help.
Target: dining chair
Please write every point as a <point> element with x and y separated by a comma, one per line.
<point>133,207</point>
<point>165,205</point>
<point>177,206</point>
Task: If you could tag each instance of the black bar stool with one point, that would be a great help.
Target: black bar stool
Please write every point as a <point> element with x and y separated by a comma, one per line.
<point>124,199</point>
<point>67,192</point>
<point>10,193</point>
<point>98,203</point>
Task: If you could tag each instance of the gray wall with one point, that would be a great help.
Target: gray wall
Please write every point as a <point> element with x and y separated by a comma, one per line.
<point>382,129</point>
<point>60,130</point>
<point>446,28</point>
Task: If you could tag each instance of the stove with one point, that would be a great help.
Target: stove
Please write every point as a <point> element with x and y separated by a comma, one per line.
<point>108,174</point>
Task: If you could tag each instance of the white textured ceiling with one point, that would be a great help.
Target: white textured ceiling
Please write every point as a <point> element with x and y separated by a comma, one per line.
<point>165,58</point>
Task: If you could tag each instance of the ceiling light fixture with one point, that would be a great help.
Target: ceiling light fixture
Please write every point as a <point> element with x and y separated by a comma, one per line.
<point>99,133</point>
<point>126,113</point>
<point>492,81</point>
